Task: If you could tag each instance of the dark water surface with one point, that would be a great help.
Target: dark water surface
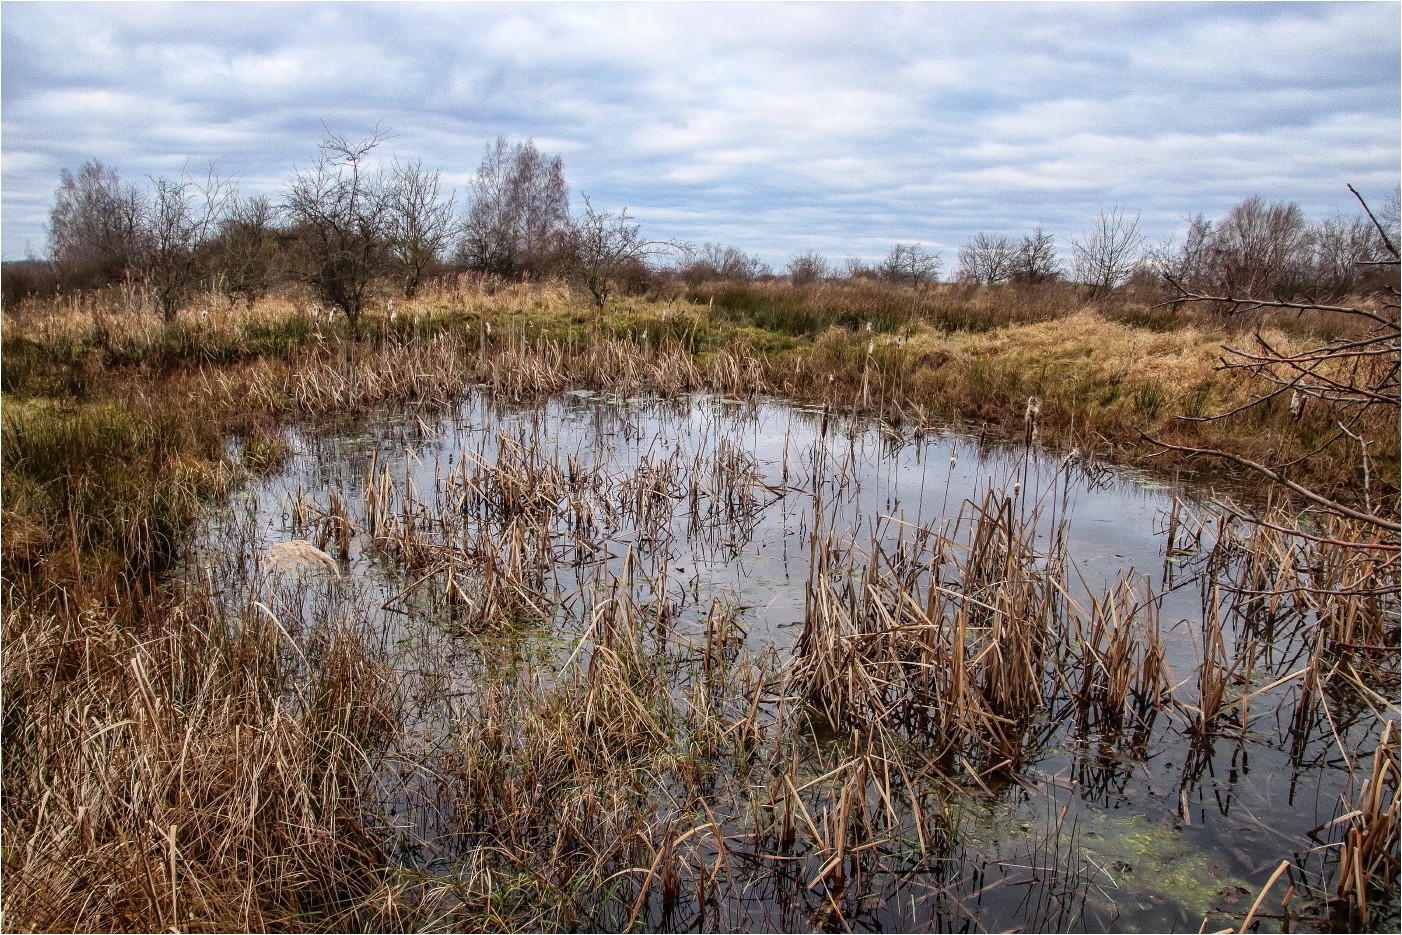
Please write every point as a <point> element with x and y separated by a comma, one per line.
<point>1090,836</point>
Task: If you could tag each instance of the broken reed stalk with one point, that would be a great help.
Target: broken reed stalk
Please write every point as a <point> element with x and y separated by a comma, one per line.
<point>204,780</point>
<point>952,644</point>
<point>1368,860</point>
<point>1118,657</point>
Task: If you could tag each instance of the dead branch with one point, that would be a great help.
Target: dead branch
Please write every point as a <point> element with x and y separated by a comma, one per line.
<point>1327,503</point>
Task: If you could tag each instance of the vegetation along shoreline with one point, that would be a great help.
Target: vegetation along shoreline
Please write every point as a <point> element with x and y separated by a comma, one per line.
<point>494,694</point>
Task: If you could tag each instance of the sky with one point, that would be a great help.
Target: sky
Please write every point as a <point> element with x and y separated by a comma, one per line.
<point>774,128</point>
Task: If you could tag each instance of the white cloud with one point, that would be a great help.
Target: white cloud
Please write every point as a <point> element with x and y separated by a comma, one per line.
<point>280,69</point>
<point>852,125</point>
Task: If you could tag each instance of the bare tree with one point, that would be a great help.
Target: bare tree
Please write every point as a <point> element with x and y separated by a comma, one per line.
<point>986,259</point>
<point>246,253</point>
<point>1034,260</point>
<point>855,268</point>
<point>1107,254</point>
<point>1262,249</point>
<point>339,211</point>
<point>519,211</point>
<point>807,267</point>
<point>95,225</point>
<point>911,264</point>
<point>714,262</point>
<point>1354,380</point>
<point>1190,263</point>
<point>605,247</point>
<point>1341,249</point>
<point>182,220</point>
<point>420,222</point>
<point>1259,249</point>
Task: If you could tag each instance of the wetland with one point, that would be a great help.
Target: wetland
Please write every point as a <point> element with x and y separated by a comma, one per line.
<point>504,614</point>
<point>849,675</point>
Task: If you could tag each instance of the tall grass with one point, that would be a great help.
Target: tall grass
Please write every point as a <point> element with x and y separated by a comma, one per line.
<point>177,759</point>
<point>188,774</point>
<point>812,309</point>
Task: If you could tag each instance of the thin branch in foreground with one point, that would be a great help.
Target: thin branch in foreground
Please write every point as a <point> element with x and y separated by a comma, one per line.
<point>1331,505</point>
<point>1235,511</point>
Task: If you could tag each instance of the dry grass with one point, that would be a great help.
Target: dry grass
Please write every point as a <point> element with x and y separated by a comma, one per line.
<point>196,776</point>
<point>1369,853</point>
<point>1102,378</point>
<point>170,761</point>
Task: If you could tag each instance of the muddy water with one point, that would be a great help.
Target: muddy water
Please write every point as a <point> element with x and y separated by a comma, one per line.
<point>1089,836</point>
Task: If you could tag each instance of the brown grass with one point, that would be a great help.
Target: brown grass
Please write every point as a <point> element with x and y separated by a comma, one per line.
<point>174,762</point>
<point>193,776</point>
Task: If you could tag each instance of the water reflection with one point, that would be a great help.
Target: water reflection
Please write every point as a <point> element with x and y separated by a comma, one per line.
<point>701,517</point>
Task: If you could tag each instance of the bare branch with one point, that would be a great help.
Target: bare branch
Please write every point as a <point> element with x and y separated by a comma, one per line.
<point>1382,231</point>
<point>1250,304</point>
<point>1235,511</point>
<point>1332,506</point>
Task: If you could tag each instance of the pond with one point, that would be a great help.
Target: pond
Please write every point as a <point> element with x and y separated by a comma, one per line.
<point>852,676</point>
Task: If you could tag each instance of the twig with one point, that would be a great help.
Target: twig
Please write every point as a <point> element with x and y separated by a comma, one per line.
<point>1332,506</point>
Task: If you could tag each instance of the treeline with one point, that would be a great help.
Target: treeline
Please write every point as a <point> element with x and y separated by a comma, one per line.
<point>344,228</point>
<point>351,225</point>
<point>1260,248</point>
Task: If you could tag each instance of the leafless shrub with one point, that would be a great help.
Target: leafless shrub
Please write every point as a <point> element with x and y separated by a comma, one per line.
<point>807,267</point>
<point>911,264</point>
<point>712,262</point>
<point>340,212</point>
<point>1341,250</point>
<point>986,260</point>
<point>96,225</point>
<point>855,268</point>
<point>1258,247</point>
<point>420,222</point>
<point>1268,250</point>
<point>245,256</point>
<point>1034,260</point>
<point>605,246</point>
<point>181,221</point>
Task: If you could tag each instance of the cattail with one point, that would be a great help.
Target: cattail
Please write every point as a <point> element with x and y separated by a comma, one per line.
<point>1029,418</point>
<point>1297,404</point>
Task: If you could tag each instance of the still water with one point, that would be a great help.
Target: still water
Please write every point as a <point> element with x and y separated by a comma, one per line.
<point>708,502</point>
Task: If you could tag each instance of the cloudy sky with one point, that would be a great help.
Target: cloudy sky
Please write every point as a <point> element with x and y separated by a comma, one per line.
<point>772,127</point>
